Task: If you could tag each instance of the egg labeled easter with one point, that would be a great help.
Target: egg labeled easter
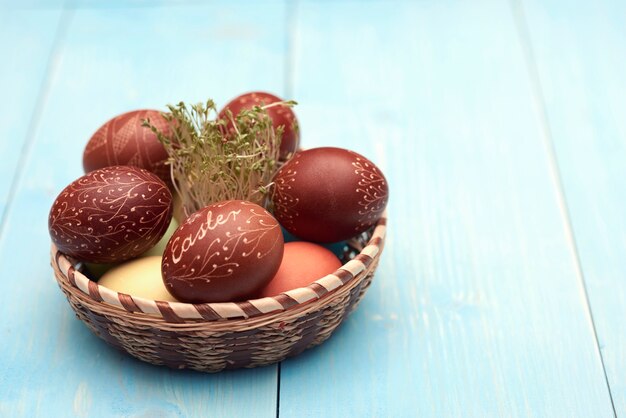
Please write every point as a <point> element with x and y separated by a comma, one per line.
<point>111,214</point>
<point>189,205</point>
<point>225,252</point>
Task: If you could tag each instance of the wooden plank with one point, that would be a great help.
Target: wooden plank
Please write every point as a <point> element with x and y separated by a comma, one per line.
<point>26,41</point>
<point>93,4</point>
<point>113,61</point>
<point>477,309</point>
<point>32,5</point>
<point>580,53</point>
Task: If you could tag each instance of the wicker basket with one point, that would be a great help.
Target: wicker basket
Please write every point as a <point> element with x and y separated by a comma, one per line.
<point>214,336</point>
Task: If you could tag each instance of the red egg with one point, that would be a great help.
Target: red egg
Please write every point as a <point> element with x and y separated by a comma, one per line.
<point>111,214</point>
<point>328,194</point>
<point>124,141</point>
<point>303,263</point>
<point>223,252</point>
<point>280,115</point>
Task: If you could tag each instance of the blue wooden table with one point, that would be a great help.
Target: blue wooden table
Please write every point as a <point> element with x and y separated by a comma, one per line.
<point>501,127</point>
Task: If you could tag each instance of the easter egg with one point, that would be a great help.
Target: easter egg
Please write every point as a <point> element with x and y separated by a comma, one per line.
<point>124,141</point>
<point>110,215</point>
<point>328,194</point>
<point>281,115</point>
<point>140,277</point>
<point>224,252</point>
<point>302,264</point>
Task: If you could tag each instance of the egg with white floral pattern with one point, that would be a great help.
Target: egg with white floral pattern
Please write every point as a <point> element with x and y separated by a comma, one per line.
<point>282,116</point>
<point>111,214</point>
<point>329,194</point>
<point>224,252</point>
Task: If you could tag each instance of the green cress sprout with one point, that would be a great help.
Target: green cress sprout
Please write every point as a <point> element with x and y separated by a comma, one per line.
<point>213,160</point>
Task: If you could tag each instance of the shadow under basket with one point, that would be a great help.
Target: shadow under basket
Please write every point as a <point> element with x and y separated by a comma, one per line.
<point>211,337</point>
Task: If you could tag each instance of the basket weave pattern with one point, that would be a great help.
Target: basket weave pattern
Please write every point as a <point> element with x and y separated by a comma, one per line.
<point>213,337</point>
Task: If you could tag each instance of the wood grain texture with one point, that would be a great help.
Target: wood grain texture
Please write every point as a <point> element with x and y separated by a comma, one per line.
<point>580,56</point>
<point>26,42</point>
<point>113,61</point>
<point>477,309</point>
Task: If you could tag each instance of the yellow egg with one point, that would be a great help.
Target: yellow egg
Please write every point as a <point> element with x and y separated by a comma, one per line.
<point>140,277</point>
<point>96,270</point>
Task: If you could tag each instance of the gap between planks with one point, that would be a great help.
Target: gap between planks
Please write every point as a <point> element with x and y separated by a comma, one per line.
<point>523,31</point>
<point>278,389</point>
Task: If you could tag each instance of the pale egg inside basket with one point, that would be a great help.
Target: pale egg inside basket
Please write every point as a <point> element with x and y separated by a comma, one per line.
<point>214,336</point>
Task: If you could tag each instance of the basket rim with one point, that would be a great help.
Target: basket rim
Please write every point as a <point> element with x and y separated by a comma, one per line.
<point>181,311</point>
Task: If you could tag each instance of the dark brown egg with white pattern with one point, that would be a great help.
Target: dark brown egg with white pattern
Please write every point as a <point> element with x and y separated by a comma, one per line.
<point>280,115</point>
<point>124,141</point>
<point>329,194</point>
<point>224,252</point>
<point>111,214</point>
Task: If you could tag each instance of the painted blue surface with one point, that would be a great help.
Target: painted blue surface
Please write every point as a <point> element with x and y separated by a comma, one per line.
<point>477,309</point>
<point>26,44</point>
<point>580,55</point>
<point>108,62</point>
<point>499,125</point>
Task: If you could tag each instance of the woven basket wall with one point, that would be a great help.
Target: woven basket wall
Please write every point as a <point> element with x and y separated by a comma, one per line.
<point>214,336</point>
